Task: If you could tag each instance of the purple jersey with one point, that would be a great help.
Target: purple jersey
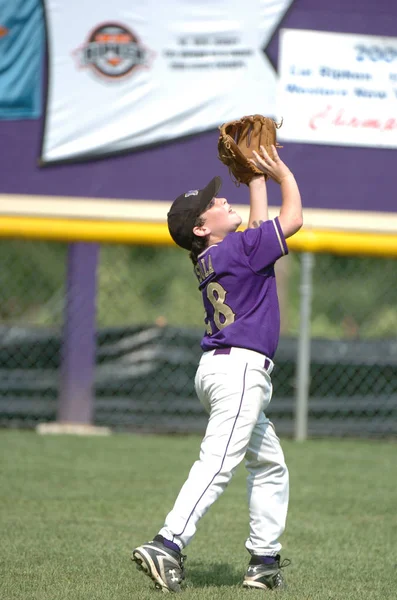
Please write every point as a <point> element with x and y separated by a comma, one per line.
<point>238,284</point>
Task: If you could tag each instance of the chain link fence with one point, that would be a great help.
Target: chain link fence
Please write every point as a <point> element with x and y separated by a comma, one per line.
<point>149,325</point>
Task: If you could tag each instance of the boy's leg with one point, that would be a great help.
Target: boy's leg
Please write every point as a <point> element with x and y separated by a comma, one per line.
<point>234,398</point>
<point>268,489</point>
<point>235,394</point>
<point>268,494</point>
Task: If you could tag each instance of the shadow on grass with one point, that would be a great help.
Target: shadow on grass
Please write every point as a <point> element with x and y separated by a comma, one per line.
<point>199,574</point>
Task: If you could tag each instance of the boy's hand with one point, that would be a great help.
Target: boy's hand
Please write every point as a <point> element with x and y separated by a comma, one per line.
<point>272,166</point>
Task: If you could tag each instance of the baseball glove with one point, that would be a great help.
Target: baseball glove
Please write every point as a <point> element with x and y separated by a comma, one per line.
<point>239,138</point>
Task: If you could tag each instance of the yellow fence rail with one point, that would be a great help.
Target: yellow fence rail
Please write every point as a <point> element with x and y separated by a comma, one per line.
<point>344,243</point>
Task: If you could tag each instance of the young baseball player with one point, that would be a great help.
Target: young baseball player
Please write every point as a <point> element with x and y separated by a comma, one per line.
<point>235,273</point>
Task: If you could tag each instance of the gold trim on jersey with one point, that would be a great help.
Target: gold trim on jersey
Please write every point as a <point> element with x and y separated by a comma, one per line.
<point>280,241</point>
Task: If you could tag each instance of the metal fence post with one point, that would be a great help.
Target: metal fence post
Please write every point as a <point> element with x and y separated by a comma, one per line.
<point>303,358</point>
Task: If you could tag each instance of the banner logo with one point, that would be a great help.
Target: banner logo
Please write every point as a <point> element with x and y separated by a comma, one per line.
<point>112,51</point>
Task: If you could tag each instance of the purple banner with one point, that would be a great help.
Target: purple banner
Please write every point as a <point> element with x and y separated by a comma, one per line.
<point>330,177</point>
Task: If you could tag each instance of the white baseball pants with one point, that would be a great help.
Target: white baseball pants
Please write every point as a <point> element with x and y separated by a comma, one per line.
<point>235,389</point>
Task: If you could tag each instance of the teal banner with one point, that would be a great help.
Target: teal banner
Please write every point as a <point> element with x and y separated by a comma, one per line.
<point>21,58</point>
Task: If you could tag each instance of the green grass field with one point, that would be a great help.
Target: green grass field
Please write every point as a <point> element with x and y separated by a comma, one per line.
<point>72,508</point>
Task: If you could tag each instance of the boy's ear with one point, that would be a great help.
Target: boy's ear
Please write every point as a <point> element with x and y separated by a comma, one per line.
<point>201,231</point>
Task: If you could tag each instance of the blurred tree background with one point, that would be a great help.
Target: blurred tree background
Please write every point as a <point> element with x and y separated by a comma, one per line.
<point>352,297</point>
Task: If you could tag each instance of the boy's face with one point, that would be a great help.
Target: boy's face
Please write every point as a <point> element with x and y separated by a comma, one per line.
<point>220,219</point>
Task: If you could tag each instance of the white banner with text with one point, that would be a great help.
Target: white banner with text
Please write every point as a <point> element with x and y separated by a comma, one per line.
<point>337,88</point>
<point>126,75</point>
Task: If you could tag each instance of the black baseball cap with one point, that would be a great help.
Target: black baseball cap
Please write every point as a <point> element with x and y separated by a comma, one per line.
<point>186,208</point>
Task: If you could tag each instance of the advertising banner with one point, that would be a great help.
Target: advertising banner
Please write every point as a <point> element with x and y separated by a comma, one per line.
<point>338,88</point>
<point>127,75</point>
<point>21,55</point>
